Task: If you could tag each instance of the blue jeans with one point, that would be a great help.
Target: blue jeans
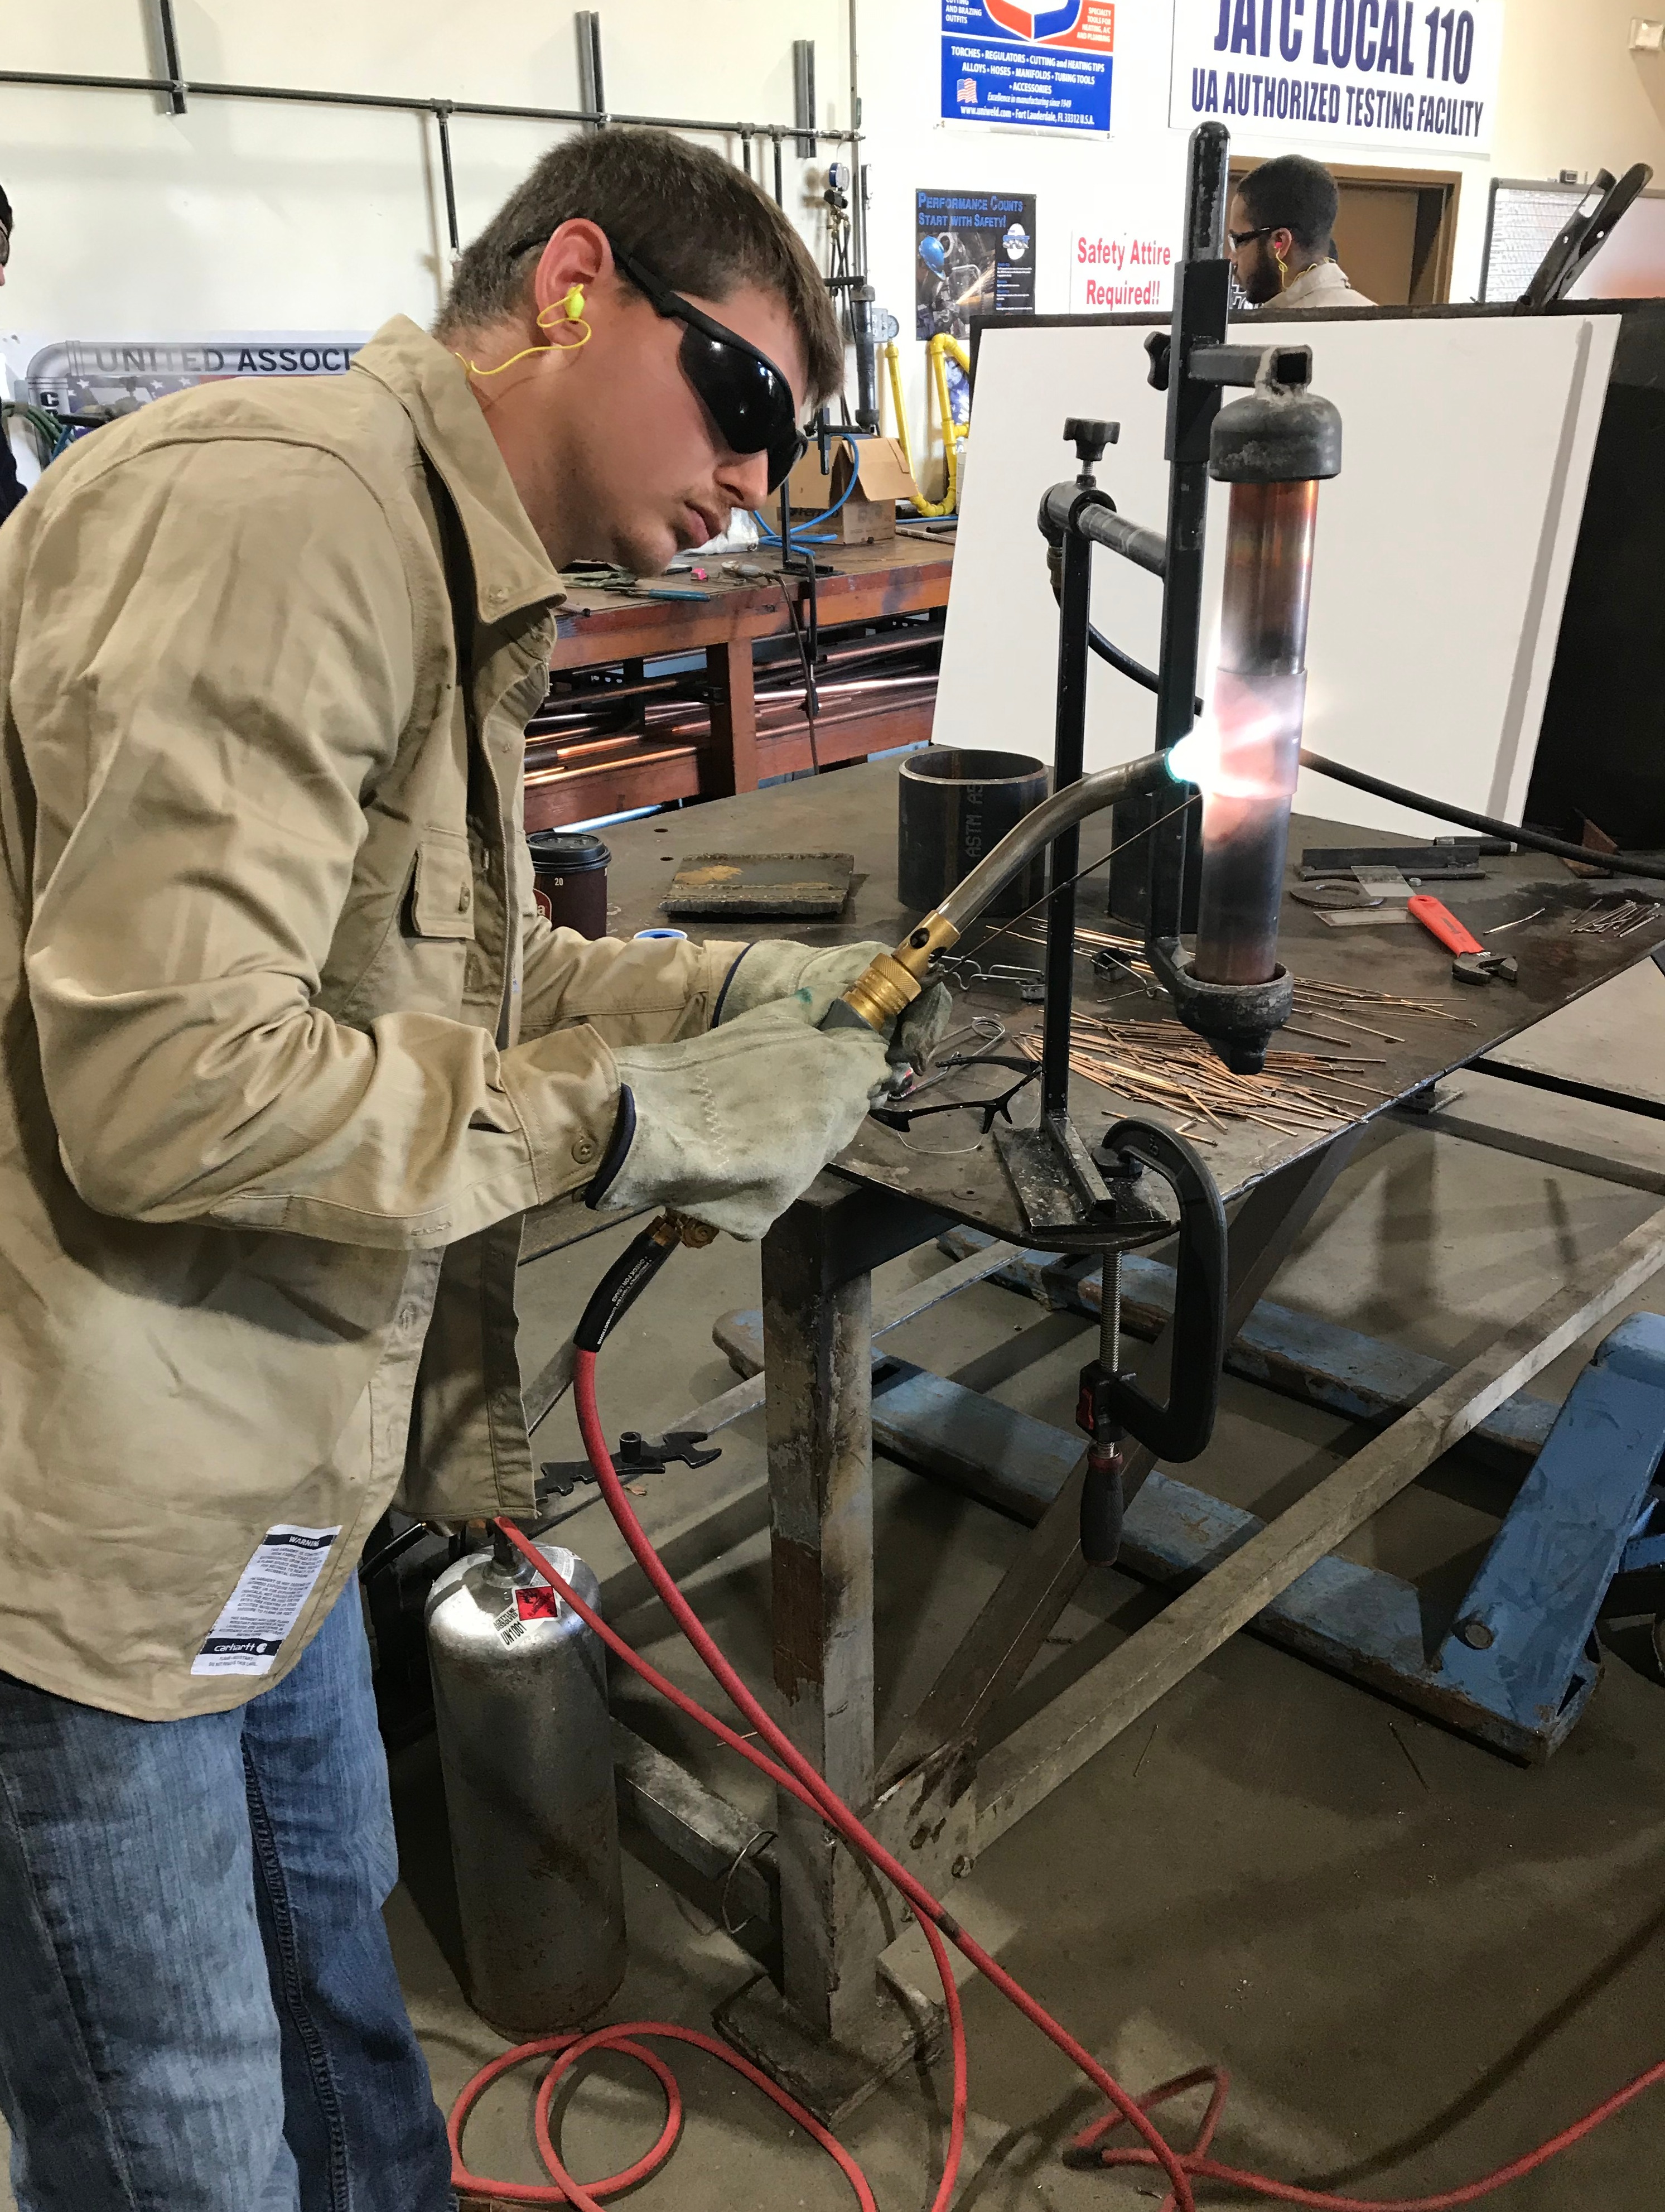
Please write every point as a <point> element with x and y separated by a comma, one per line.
<point>199,2010</point>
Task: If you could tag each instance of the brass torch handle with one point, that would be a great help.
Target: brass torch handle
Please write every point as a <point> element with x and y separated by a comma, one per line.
<point>890,985</point>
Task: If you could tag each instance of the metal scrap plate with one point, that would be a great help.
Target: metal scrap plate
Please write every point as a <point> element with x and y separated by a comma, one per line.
<point>803,884</point>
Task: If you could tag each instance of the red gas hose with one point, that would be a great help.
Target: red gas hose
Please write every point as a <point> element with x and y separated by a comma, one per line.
<point>791,1770</point>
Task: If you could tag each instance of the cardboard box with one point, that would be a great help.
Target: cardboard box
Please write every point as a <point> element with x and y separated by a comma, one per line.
<point>867,517</point>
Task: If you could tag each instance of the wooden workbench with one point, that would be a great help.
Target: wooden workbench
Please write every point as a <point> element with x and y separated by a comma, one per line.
<point>576,783</point>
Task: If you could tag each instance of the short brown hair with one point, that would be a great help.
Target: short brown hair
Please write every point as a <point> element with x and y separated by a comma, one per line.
<point>692,217</point>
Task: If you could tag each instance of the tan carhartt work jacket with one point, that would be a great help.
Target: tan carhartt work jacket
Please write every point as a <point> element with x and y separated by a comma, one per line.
<point>1324,285</point>
<point>286,1048</point>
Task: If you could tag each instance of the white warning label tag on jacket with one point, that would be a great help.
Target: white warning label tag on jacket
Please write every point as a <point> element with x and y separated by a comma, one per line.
<point>267,1601</point>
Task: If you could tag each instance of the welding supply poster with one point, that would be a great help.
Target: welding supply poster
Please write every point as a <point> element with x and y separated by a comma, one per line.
<point>973,254</point>
<point>1356,73</point>
<point>1048,66</point>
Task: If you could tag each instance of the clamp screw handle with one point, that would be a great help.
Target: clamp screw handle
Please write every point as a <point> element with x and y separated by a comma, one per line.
<point>1089,438</point>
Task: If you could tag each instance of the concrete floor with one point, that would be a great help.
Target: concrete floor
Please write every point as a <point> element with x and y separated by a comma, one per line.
<point>1415,1958</point>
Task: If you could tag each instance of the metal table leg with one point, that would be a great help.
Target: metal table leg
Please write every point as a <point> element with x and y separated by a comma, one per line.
<point>835,2028</point>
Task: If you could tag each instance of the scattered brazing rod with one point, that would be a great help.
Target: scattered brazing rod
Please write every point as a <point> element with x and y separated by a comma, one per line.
<point>1472,963</point>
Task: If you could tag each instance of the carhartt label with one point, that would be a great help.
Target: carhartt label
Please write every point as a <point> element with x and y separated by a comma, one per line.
<point>267,1601</point>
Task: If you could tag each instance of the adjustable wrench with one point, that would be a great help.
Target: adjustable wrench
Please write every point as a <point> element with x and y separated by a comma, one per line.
<point>1472,963</point>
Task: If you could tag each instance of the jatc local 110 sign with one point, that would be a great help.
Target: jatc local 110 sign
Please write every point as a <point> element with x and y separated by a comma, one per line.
<point>1357,73</point>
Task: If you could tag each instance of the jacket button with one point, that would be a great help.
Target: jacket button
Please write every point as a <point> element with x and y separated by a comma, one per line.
<point>464,899</point>
<point>583,1148</point>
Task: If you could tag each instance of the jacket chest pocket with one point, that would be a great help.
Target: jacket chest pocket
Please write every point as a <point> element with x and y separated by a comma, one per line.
<point>420,966</point>
<point>442,889</point>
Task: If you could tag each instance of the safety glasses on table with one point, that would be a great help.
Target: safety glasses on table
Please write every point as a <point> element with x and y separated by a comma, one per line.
<point>743,392</point>
<point>988,1110</point>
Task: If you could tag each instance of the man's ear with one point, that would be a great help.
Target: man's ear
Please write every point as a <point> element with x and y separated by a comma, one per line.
<point>577,253</point>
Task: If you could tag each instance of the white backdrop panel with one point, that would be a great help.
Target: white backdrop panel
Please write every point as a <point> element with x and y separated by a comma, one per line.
<point>1443,554</point>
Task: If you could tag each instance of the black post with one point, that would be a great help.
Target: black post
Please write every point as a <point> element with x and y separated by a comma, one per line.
<point>442,117</point>
<point>591,87</point>
<point>780,181</point>
<point>861,299</point>
<point>1202,295</point>
<point>1075,598</point>
<point>1148,888</point>
<point>171,57</point>
<point>803,95</point>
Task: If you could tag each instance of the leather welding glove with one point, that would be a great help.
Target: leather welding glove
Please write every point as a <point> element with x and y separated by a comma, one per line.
<point>774,970</point>
<point>731,1127</point>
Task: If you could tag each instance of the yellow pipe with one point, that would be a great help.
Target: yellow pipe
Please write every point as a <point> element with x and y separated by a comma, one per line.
<point>937,350</point>
<point>893,361</point>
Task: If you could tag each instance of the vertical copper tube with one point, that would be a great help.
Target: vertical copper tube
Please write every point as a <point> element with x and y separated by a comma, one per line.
<point>1259,692</point>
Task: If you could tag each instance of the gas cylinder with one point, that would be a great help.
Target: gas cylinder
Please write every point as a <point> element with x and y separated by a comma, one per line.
<point>526,1747</point>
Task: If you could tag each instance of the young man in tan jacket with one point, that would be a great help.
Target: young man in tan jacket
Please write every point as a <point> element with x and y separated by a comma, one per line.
<point>287,1053</point>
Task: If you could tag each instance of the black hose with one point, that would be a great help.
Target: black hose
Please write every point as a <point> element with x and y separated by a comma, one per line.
<point>394,1547</point>
<point>622,1285</point>
<point>1536,841</point>
<point>1125,664</point>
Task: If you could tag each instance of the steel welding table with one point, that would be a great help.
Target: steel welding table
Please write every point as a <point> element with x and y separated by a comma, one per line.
<point>947,1787</point>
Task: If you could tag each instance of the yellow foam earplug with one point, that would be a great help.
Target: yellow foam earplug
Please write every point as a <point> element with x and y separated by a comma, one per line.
<point>573,306</point>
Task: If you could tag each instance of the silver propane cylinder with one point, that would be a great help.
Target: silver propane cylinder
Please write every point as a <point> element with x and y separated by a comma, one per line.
<point>520,1701</point>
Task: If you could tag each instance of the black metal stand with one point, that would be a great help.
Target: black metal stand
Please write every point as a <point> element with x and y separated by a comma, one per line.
<point>1148,880</point>
<point>1060,1185</point>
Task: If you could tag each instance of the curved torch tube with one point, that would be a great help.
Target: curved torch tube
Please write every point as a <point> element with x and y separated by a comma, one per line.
<point>895,979</point>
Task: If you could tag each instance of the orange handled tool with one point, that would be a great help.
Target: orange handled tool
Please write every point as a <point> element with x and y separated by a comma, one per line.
<point>1472,962</point>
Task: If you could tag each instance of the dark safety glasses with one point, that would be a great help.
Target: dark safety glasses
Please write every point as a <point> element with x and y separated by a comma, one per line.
<point>743,391</point>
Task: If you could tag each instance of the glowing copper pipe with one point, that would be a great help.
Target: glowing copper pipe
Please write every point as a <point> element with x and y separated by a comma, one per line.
<point>1259,692</point>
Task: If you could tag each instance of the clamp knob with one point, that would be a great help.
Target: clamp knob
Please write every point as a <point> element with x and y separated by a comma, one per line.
<point>1089,438</point>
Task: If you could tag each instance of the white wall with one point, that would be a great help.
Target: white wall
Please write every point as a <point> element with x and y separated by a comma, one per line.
<point>245,214</point>
<point>135,224</point>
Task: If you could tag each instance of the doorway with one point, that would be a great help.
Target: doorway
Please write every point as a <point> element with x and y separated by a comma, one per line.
<point>1395,231</point>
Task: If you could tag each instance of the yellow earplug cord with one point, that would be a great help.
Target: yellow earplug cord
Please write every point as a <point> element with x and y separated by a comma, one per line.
<point>571,307</point>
